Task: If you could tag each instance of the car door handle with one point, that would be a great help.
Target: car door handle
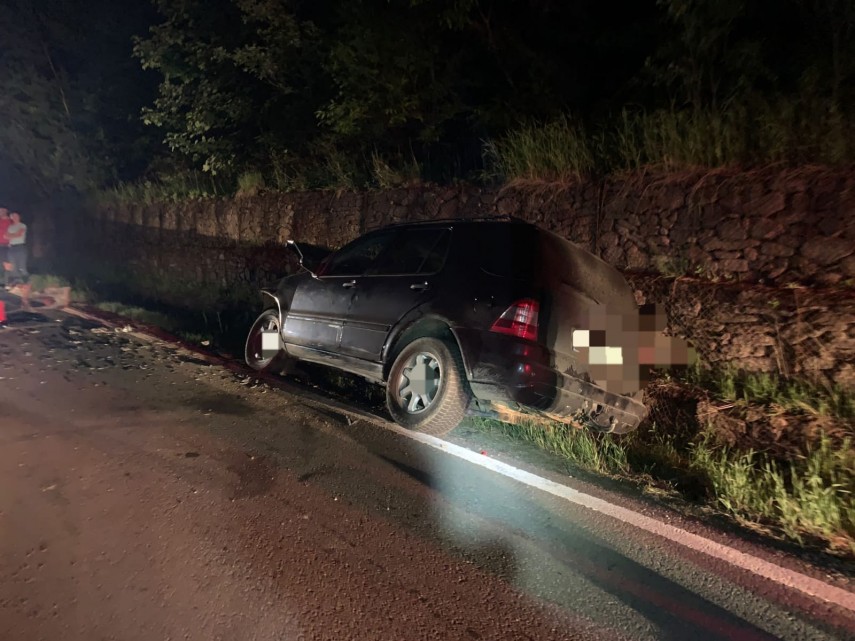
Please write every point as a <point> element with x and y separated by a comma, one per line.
<point>419,287</point>
<point>349,284</point>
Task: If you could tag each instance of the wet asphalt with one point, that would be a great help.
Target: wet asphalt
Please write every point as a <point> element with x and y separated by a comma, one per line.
<point>147,494</point>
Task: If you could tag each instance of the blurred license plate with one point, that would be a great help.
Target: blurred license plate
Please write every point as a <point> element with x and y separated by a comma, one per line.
<point>270,343</point>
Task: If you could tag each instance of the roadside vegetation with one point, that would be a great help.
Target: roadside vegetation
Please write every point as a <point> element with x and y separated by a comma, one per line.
<point>805,494</point>
<point>195,312</point>
<point>562,150</point>
<point>759,133</point>
<point>762,388</point>
<point>233,97</point>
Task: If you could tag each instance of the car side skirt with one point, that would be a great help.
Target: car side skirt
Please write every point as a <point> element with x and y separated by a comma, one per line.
<point>371,371</point>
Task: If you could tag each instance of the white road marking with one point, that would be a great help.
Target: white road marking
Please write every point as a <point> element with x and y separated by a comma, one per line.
<point>765,569</point>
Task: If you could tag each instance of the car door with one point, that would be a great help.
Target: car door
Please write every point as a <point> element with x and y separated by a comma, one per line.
<point>320,305</point>
<point>403,277</point>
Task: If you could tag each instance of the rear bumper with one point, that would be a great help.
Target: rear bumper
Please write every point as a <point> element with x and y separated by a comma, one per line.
<point>590,405</point>
<point>509,371</point>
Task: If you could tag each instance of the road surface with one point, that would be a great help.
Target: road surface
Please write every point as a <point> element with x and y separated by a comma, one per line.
<point>146,494</point>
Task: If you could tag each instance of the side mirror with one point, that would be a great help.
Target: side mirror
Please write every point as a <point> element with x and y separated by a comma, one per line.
<point>293,245</point>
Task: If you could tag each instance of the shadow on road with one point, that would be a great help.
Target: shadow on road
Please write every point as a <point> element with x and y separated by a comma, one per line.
<point>541,542</point>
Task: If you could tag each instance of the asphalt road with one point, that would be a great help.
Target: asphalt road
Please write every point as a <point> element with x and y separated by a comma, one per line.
<point>145,494</point>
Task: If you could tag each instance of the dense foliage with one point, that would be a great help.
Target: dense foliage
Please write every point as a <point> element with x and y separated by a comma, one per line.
<point>303,93</point>
<point>71,93</point>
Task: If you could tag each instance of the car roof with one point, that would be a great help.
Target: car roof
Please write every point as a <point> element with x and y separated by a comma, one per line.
<point>445,222</point>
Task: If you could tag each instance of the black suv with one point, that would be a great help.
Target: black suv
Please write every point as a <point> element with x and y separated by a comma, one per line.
<point>460,315</point>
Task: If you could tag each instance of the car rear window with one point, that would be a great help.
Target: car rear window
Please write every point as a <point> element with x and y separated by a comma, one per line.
<point>571,265</point>
<point>509,251</point>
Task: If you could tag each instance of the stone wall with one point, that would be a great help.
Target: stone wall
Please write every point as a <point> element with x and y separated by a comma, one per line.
<point>775,227</point>
<point>808,332</point>
<point>745,239</point>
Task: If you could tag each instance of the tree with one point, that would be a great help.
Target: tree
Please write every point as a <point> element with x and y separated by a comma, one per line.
<point>69,90</point>
<point>38,137</point>
<point>707,58</point>
<point>833,46</point>
<point>237,79</point>
<point>448,73</point>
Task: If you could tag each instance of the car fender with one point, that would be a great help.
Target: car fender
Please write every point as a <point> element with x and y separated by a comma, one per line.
<point>272,294</point>
<point>410,326</point>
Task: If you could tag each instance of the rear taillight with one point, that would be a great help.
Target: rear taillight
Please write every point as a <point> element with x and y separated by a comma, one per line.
<point>520,319</point>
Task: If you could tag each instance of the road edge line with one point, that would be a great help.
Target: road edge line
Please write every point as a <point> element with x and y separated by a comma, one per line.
<point>765,569</point>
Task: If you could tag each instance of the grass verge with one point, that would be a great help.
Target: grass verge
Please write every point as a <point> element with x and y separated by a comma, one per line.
<point>761,388</point>
<point>157,319</point>
<point>193,311</point>
<point>811,497</point>
<point>808,499</point>
<point>41,282</point>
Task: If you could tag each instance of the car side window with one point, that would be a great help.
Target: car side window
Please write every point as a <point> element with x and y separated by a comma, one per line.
<point>355,258</point>
<point>415,251</point>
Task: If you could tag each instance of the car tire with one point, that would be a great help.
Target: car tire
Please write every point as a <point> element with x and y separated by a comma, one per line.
<point>435,401</point>
<point>253,355</point>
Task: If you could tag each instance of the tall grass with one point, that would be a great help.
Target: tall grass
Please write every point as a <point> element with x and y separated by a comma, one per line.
<point>742,134</point>
<point>399,172</point>
<point>754,132</point>
<point>330,167</point>
<point>168,188</point>
<point>761,388</point>
<point>324,166</point>
<point>554,151</point>
<point>813,495</point>
<point>250,183</point>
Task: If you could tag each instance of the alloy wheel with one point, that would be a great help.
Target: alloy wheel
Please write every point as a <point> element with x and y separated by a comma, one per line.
<point>419,382</point>
<point>255,352</point>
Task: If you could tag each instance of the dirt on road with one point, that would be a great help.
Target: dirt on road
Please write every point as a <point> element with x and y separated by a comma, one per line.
<point>126,516</point>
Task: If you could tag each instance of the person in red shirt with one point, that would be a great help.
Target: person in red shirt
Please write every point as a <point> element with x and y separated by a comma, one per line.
<point>5,265</point>
<point>5,221</point>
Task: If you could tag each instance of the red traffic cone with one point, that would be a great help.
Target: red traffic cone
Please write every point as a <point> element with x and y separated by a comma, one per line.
<point>2,313</point>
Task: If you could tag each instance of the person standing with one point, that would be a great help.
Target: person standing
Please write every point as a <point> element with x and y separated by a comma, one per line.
<point>5,221</point>
<point>17,235</point>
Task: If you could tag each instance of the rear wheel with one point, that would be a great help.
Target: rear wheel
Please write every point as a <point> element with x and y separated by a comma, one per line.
<point>427,391</point>
<point>255,354</point>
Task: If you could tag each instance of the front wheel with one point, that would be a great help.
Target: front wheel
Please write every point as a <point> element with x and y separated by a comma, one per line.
<point>427,391</point>
<point>259,353</point>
